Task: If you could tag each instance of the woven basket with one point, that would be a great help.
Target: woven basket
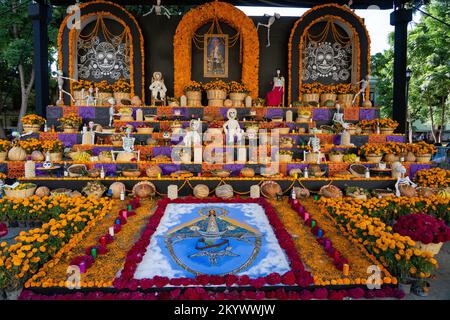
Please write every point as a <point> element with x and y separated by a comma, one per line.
<point>237,98</point>
<point>336,157</point>
<point>56,156</point>
<point>20,194</point>
<point>3,156</point>
<point>121,96</point>
<point>31,127</point>
<point>374,158</point>
<point>386,130</point>
<point>95,194</point>
<point>194,98</point>
<point>77,95</point>
<point>285,158</point>
<point>145,130</point>
<point>324,97</point>
<point>311,97</point>
<point>216,94</point>
<point>433,248</point>
<point>345,99</point>
<point>423,157</point>
<point>70,130</point>
<point>103,98</point>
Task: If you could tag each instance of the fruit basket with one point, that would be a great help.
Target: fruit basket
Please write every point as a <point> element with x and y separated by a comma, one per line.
<point>23,190</point>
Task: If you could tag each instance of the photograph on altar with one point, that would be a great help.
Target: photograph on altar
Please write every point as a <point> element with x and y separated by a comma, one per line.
<point>215,63</point>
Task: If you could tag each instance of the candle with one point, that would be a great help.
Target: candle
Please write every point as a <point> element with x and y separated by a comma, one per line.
<point>159,175</point>
<point>296,176</point>
<point>129,207</point>
<point>103,241</point>
<point>327,244</point>
<point>82,267</point>
<point>346,269</point>
<point>94,252</point>
<point>137,200</point>
<point>199,174</point>
<point>313,223</point>
<point>111,231</point>
<point>125,215</point>
<point>316,197</point>
<point>294,202</point>
<point>320,233</point>
<point>118,221</point>
<point>301,209</point>
<point>306,216</point>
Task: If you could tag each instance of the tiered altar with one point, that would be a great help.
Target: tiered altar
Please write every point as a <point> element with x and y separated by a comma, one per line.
<point>208,188</point>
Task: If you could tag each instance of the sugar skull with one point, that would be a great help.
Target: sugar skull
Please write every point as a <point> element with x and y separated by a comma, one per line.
<point>325,59</point>
<point>106,57</point>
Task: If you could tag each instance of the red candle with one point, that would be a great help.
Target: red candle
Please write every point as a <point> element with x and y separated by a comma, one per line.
<point>122,211</point>
<point>306,216</point>
<point>103,241</point>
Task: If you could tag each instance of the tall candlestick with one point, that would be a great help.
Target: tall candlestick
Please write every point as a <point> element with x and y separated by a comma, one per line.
<point>327,244</point>
<point>320,233</point>
<point>306,216</point>
<point>313,223</point>
<point>94,252</point>
<point>111,231</point>
<point>103,241</point>
<point>82,267</point>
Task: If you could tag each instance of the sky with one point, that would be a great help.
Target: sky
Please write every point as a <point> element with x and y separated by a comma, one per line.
<point>377,22</point>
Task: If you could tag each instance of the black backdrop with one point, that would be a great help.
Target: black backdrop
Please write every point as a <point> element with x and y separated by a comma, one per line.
<point>158,37</point>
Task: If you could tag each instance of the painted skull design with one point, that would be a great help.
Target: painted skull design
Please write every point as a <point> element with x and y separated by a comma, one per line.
<point>326,60</point>
<point>103,60</point>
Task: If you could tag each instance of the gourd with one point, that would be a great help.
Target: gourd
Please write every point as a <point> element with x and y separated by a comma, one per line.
<point>37,156</point>
<point>330,192</point>
<point>17,154</point>
<point>225,191</point>
<point>248,172</point>
<point>116,188</point>
<point>42,192</point>
<point>301,193</point>
<point>201,191</point>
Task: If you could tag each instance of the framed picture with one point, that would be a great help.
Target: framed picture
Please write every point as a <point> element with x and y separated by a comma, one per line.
<point>215,61</point>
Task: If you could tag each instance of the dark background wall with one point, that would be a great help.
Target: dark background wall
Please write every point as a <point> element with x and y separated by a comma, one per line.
<point>159,31</point>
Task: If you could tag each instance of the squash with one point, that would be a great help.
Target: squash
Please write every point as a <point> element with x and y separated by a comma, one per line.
<point>407,191</point>
<point>248,172</point>
<point>201,191</point>
<point>153,171</point>
<point>17,154</point>
<point>37,156</point>
<point>301,193</point>
<point>330,191</point>
<point>42,192</point>
<point>225,191</point>
<point>116,188</point>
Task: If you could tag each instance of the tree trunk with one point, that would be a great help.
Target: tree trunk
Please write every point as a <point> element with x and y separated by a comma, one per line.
<point>25,90</point>
<point>444,107</point>
<point>432,122</point>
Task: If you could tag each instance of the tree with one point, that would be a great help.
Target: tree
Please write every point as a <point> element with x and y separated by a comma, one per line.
<point>428,47</point>
<point>15,48</point>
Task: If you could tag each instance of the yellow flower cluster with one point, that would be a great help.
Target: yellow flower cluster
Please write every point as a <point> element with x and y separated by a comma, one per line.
<point>82,84</point>
<point>434,178</point>
<point>31,119</point>
<point>373,148</point>
<point>193,86</point>
<point>387,123</point>
<point>361,220</point>
<point>52,146</point>
<point>237,87</point>
<point>121,85</point>
<point>33,248</point>
<point>216,85</point>
<point>30,145</point>
<point>71,120</point>
<point>421,148</point>
<point>5,145</point>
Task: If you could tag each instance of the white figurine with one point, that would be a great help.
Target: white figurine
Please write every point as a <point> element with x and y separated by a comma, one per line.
<point>91,99</point>
<point>158,88</point>
<point>365,83</point>
<point>128,142</point>
<point>232,127</point>
<point>314,143</point>
<point>112,112</point>
<point>60,78</point>
<point>271,21</point>
<point>193,137</point>
<point>158,10</point>
<point>402,179</point>
<point>338,117</point>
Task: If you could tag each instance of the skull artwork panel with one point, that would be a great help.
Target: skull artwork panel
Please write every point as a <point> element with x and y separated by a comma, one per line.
<point>102,54</point>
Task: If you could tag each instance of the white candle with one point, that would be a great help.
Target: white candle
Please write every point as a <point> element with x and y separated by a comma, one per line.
<point>111,231</point>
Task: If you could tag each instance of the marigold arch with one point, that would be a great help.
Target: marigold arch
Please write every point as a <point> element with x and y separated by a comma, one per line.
<point>201,15</point>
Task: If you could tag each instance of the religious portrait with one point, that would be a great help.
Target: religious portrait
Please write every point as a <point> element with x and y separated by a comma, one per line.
<point>215,56</point>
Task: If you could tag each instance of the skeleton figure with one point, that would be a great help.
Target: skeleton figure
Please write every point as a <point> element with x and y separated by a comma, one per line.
<point>91,100</point>
<point>128,142</point>
<point>314,143</point>
<point>338,117</point>
<point>192,137</point>
<point>402,179</point>
<point>158,87</point>
<point>232,127</point>
<point>112,102</point>
<point>364,83</point>
<point>158,10</point>
<point>59,76</point>
<point>271,21</point>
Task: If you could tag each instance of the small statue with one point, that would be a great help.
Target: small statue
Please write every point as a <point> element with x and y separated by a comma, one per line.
<point>276,96</point>
<point>314,143</point>
<point>338,117</point>
<point>112,111</point>
<point>127,141</point>
<point>60,78</point>
<point>158,88</point>
<point>158,10</point>
<point>232,127</point>
<point>91,99</point>
<point>271,21</point>
<point>365,83</point>
<point>401,179</point>
<point>193,137</point>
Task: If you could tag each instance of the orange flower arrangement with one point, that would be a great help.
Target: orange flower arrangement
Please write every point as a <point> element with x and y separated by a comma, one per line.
<point>5,145</point>
<point>434,178</point>
<point>422,148</point>
<point>82,84</point>
<point>314,87</point>
<point>121,85</point>
<point>193,86</point>
<point>237,87</point>
<point>201,15</point>
<point>216,85</point>
<point>372,148</point>
<point>52,146</point>
<point>386,123</point>
<point>104,86</point>
<point>71,120</point>
<point>30,145</point>
<point>394,147</point>
<point>31,119</point>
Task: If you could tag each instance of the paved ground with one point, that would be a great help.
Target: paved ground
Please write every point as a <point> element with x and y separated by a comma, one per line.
<point>440,288</point>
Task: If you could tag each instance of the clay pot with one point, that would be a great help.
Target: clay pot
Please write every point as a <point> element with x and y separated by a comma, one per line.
<point>144,189</point>
<point>225,191</point>
<point>153,171</point>
<point>270,189</point>
<point>42,192</point>
<point>201,191</point>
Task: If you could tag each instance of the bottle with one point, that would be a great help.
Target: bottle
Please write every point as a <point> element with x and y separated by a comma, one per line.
<point>45,127</point>
<point>30,168</point>
<point>84,128</point>
<point>102,173</point>
<point>293,195</point>
<point>367,173</point>
<point>66,173</point>
<point>122,195</point>
<point>306,173</point>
